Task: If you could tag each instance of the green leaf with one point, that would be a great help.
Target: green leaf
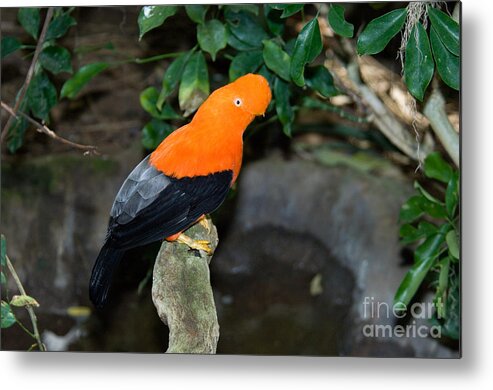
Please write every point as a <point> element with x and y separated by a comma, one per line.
<point>453,243</point>
<point>56,59</point>
<point>3,251</point>
<point>3,279</point>
<point>273,20</point>
<point>436,168</point>
<point>409,233</point>
<point>338,23</point>
<point>148,100</point>
<point>319,79</point>
<point>426,194</point>
<point>194,86</point>
<point>448,65</point>
<point>288,9</point>
<point>284,110</point>
<point>7,318</point>
<point>85,74</point>
<point>411,210</point>
<point>23,300</point>
<point>243,63</point>
<point>417,206</point>
<point>172,77</point>
<point>378,33</point>
<point>446,28</point>
<point>154,133</point>
<point>434,210</point>
<point>307,47</point>
<point>246,31</point>
<point>152,16</point>
<point>442,287</point>
<point>16,134</point>
<point>289,47</point>
<point>276,59</point>
<point>452,195</point>
<point>41,96</point>
<point>196,13</point>
<point>59,26</point>
<point>212,37</point>
<point>9,45</point>
<point>29,19</point>
<point>252,8</point>
<point>418,65</point>
<point>432,245</point>
<point>425,257</point>
<point>167,112</point>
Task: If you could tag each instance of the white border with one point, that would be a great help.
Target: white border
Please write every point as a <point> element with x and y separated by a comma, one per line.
<point>132,371</point>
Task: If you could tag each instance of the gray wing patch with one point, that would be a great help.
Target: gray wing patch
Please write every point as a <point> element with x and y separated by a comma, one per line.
<point>139,190</point>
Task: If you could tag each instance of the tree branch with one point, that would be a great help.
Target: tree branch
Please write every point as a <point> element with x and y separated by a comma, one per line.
<point>46,130</point>
<point>434,110</point>
<point>182,294</point>
<point>30,73</point>
<point>384,119</point>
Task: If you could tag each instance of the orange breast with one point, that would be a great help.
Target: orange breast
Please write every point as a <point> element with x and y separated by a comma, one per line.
<point>191,151</point>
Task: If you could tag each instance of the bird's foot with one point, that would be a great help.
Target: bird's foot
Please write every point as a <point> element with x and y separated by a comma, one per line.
<point>200,245</point>
<point>205,223</point>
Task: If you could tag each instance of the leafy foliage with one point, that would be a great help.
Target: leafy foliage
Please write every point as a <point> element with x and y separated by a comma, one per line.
<point>433,223</point>
<point>74,85</point>
<point>420,57</point>
<point>42,95</point>
<point>152,16</point>
<point>251,38</point>
<point>7,316</point>
<point>60,25</point>
<point>212,37</point>
<point>9,45</point>
<point>376,36</point>
<point>307,47</point>
<point>419,66</point>
<point>30,19</point>
<point>56,59</point>
<point>338,23</point>
<point>447,29</point>
<point>448,64</point>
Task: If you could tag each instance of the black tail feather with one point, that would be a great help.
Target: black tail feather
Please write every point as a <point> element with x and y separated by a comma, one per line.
<point>102,273</point>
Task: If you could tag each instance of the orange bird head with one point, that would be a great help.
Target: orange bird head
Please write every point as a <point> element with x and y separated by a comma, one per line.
<point>237,103</point>
<point>212,141</point>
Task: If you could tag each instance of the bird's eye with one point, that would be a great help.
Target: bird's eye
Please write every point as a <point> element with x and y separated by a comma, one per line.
<point>238,102</point>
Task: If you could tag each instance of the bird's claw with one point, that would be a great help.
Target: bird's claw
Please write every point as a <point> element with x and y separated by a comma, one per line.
<point>200,245</point>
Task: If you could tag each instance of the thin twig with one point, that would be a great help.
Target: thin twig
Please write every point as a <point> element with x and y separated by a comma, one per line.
<point>29,309</point>
<point>30,72</point>
<point>46,130</point>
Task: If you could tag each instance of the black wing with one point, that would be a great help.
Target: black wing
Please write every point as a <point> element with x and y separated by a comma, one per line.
<point>151,206</point>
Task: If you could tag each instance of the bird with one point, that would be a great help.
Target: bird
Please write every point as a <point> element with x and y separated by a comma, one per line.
<point>185,178</point>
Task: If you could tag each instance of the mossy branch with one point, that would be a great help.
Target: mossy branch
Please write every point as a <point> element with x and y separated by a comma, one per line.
<point>182,294</point>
